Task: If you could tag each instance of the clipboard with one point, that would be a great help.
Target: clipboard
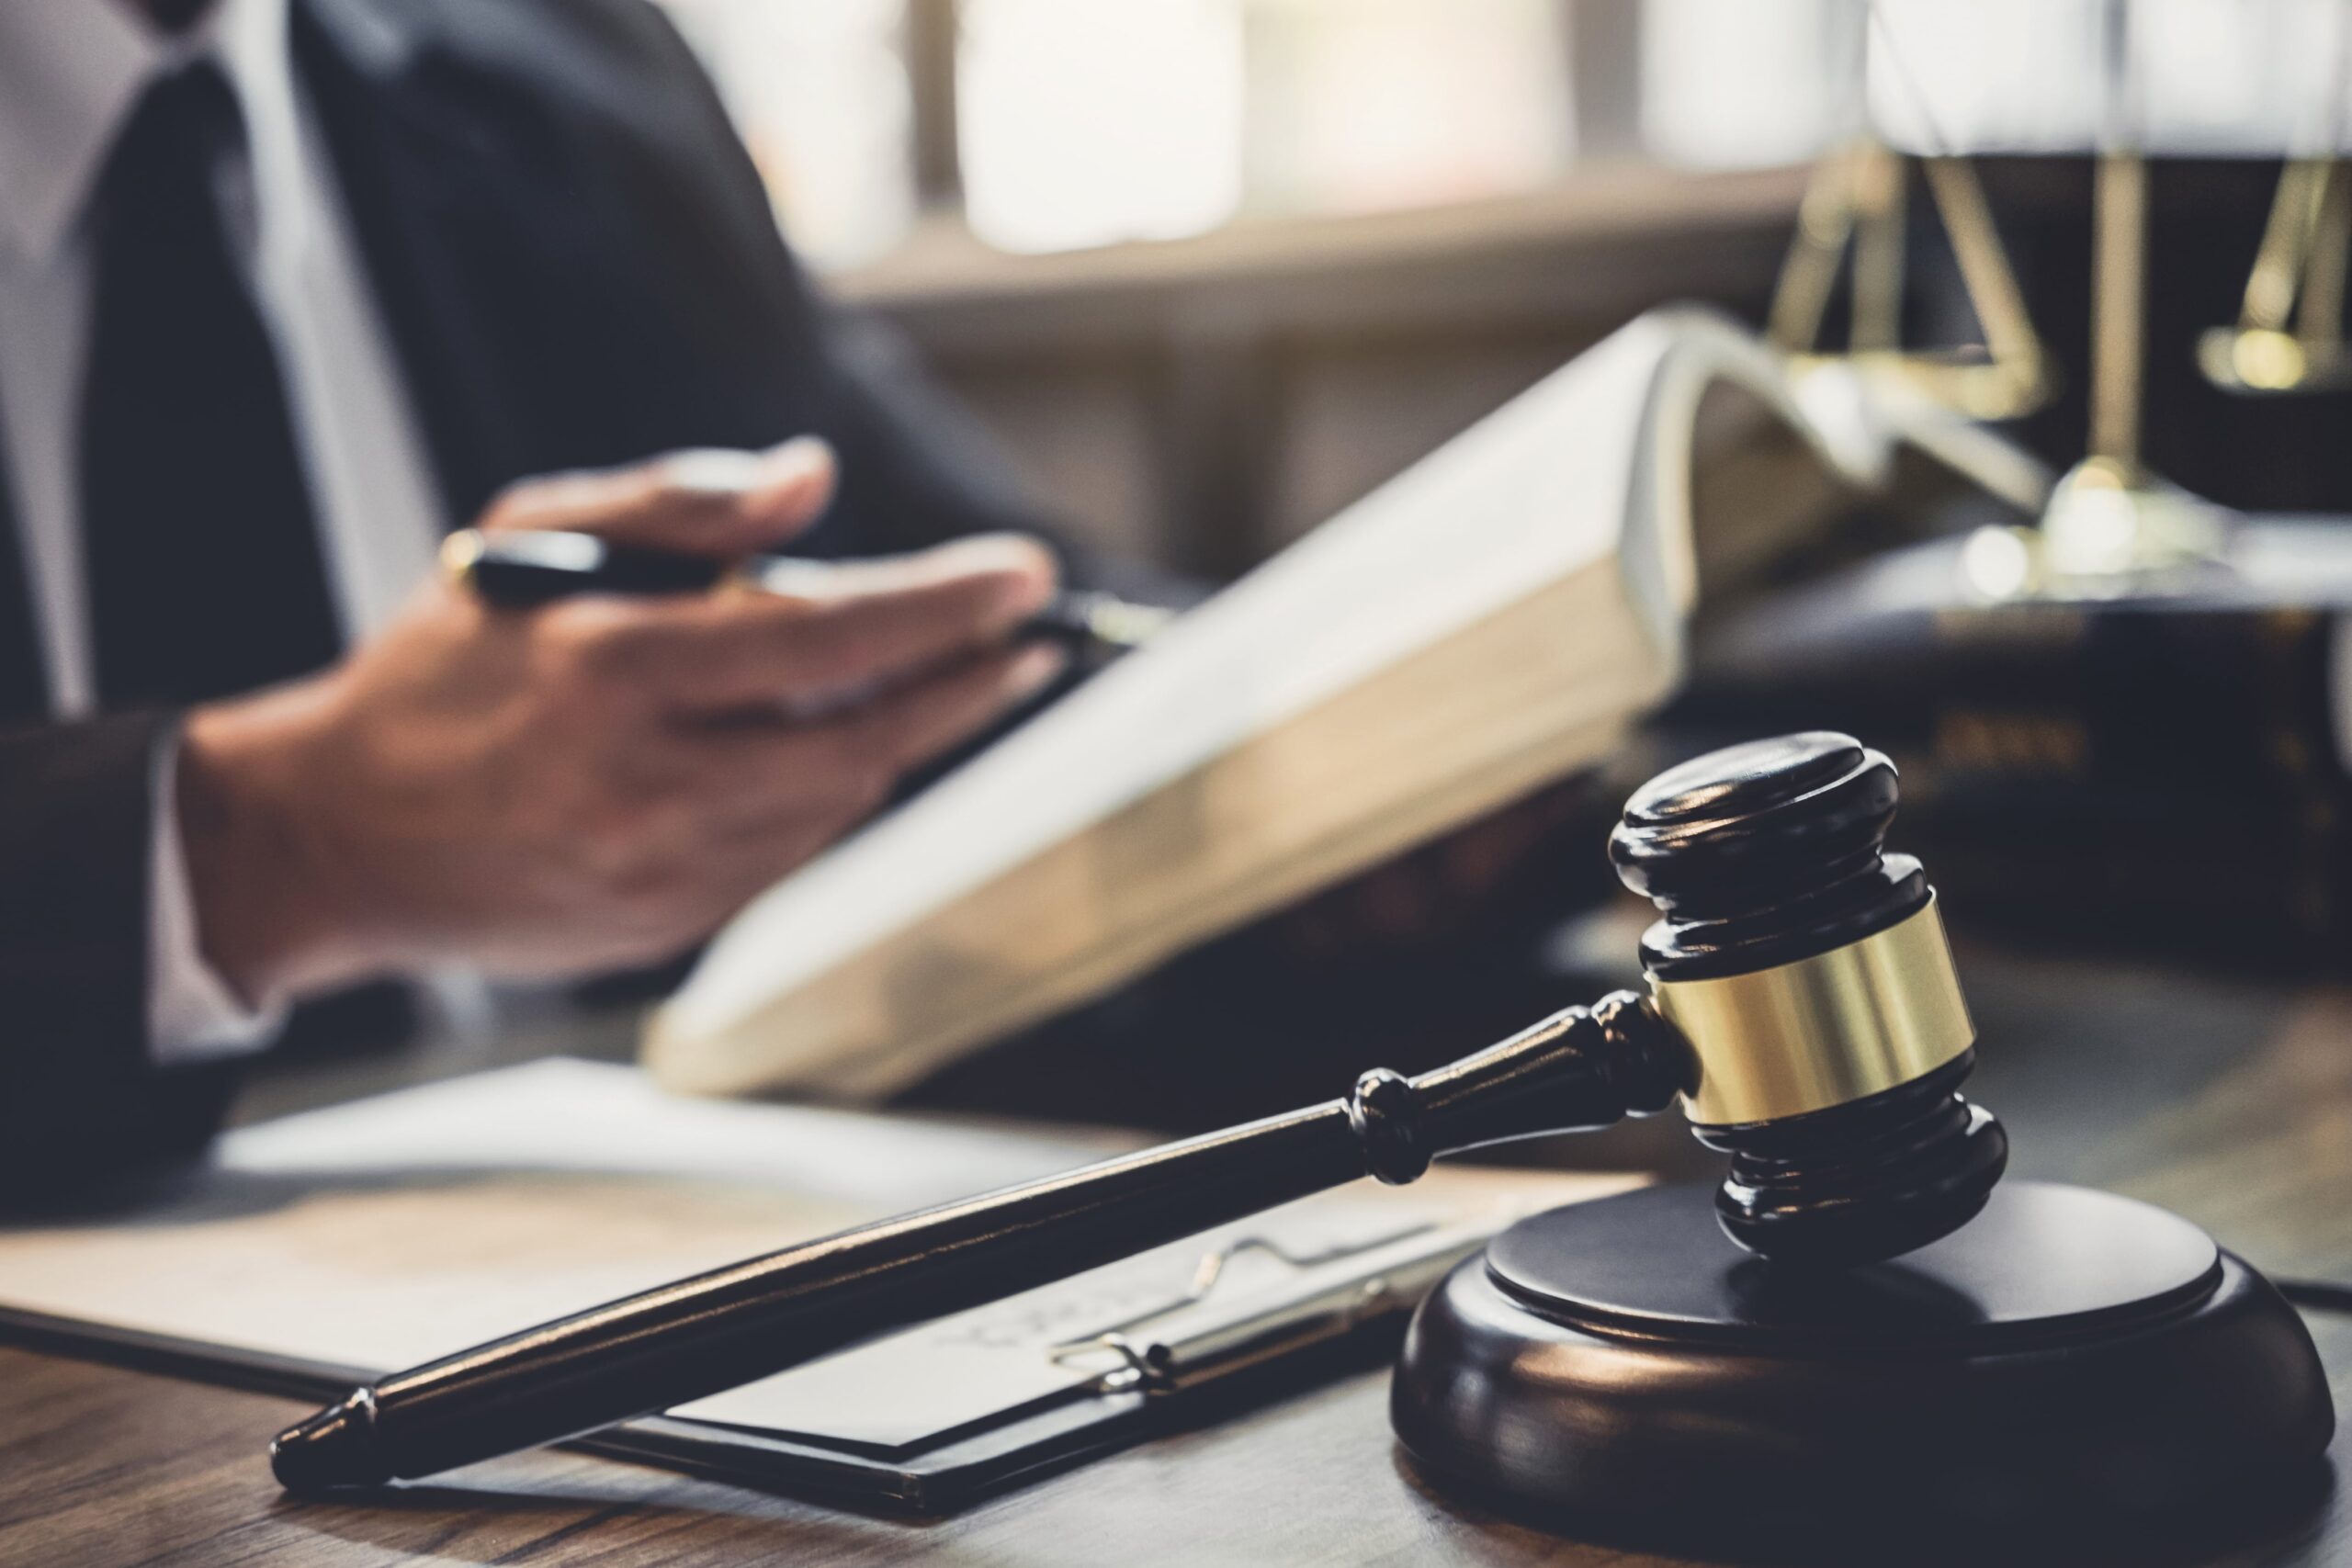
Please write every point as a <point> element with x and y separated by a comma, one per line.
<point>454,1179</point>
<point>1154,1370</point>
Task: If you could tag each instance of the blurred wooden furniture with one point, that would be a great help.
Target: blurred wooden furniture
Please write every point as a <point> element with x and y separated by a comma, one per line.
<point>2228,1100</point>
<point>1204,401</point>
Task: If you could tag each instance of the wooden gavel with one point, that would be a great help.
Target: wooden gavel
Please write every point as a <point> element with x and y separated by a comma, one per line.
<point>1802,1005</point>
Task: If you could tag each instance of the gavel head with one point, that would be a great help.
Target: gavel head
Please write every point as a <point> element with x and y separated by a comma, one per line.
<point>1807,971</point>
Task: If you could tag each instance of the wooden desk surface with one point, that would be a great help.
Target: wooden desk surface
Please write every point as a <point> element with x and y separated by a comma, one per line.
<point>2229,1100</point>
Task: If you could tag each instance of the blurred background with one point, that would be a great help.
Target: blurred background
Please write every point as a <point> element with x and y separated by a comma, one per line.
<point>1209,270</point>
<point>1212,268</point>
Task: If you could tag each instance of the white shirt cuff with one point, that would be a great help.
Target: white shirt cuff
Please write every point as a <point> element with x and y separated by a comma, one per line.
<point>193,1015</point>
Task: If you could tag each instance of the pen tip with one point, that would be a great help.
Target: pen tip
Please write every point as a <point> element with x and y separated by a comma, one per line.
<point>336,1448</point>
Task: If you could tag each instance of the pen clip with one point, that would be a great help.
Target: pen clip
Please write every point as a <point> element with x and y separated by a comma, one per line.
<point>1163,1363</point>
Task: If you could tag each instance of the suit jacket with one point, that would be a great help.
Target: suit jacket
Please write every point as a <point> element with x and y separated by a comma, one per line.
<point>578,266</point>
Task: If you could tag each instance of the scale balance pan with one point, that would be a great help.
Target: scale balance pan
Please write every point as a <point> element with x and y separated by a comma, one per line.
<point>2069,1354</point>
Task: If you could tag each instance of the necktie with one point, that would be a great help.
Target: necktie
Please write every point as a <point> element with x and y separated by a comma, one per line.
<point>203,558</point>
<point>24,686</point>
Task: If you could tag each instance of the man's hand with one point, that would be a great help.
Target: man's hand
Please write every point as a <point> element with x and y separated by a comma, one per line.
<point>602,780</point>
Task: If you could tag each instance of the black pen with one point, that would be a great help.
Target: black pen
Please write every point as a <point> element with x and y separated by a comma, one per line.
<point>532,566</point>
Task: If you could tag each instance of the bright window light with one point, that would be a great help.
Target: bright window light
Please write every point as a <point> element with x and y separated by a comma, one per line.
<point>1086,122</point>
<point>2206,77</point>
<point>1360,106</point>
<point>1746,84</point>
<point>819,89</point>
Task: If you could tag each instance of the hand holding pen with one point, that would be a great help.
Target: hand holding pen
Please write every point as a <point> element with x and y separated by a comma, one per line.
<point>602,779</point>
<point>524,569</point>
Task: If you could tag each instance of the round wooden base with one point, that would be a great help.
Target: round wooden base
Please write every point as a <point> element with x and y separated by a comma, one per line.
<point>2067,1355</point>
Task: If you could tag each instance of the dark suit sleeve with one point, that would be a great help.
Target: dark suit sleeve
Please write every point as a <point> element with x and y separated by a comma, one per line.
<point>917,468</point>
<point>79,1095</point>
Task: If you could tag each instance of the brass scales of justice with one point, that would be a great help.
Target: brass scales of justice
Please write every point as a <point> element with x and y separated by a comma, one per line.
<point>2111,529</point>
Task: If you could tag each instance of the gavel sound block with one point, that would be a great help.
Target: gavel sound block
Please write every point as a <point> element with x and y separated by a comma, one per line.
<point>1899,1339</point>
<point>1858,1316</point>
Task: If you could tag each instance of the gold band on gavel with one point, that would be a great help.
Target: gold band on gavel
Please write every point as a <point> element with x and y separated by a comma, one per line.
<point>1821,1031</point>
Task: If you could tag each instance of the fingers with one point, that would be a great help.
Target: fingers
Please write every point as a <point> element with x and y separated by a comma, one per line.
<point>678,829</point>
<point>841,770</point>
<point>873,621</point>
<point>714,502</point>
<point>914,726</point>
<point>726,811</point>
<point>841,629</point>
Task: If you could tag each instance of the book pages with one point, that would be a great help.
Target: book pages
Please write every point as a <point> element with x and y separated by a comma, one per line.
<point>1486,622</point>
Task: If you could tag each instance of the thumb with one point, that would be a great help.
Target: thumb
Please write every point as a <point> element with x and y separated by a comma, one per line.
<point>714,502</point>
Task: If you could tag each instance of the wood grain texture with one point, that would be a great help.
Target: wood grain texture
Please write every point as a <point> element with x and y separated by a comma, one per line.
<point>2229,1100</point>
<point>107,1467</point>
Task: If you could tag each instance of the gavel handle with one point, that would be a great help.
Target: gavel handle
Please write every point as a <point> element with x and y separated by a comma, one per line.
<point>1581,1068</point>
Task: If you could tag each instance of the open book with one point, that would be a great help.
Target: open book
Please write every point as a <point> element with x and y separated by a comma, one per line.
<point>1488,622</point>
